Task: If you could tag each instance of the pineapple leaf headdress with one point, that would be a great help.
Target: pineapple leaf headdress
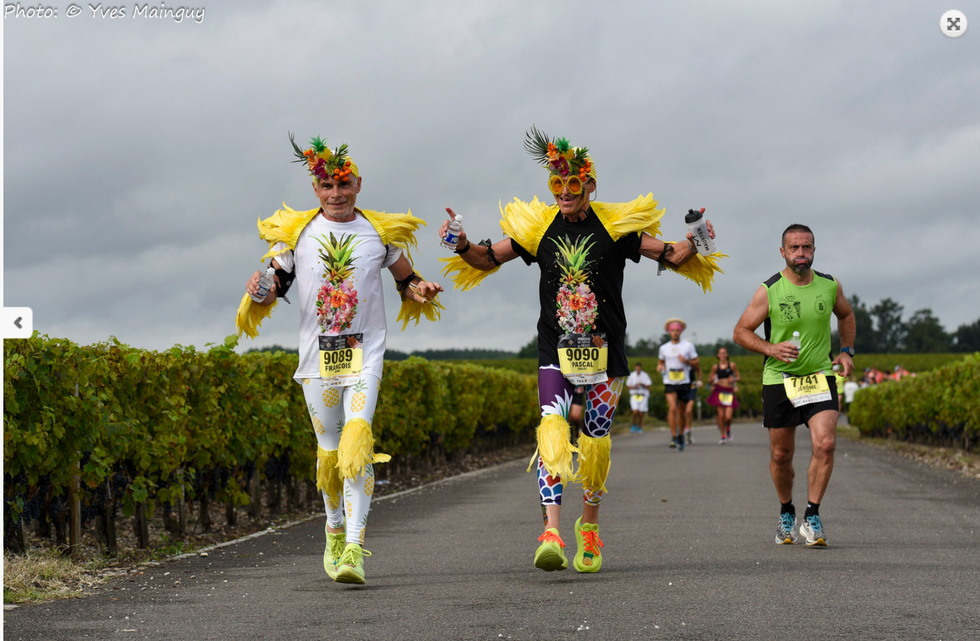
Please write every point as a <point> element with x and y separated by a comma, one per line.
<point>558,156</point>
<point>323,163</point>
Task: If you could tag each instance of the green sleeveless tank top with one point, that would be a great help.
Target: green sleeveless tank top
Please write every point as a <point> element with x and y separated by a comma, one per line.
<point>806,310</point>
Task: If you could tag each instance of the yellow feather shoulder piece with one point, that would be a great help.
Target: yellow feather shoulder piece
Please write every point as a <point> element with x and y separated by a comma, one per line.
<point>284,226</point>
<point>700,269</point>
<point>639,215</point>
<point>412,310</point>
<point>395,229</point>
<point>527,222</point>
<point>250,316</point>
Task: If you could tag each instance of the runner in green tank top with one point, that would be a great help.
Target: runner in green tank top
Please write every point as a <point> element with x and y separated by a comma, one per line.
<point>797,384</point>
<point>805,309</point>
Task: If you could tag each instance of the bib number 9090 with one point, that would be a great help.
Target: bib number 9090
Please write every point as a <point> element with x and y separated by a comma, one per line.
<point>583,358</point>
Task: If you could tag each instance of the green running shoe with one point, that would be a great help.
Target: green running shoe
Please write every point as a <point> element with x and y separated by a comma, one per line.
<point>350,565</point>
<point>549,556</point>
<point>331,553</point>
<point>588,558</point>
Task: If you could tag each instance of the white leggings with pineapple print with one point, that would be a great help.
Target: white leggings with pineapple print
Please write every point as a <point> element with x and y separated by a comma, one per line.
<point>330,409</point>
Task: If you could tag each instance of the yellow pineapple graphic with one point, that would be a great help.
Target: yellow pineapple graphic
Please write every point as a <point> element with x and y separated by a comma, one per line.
<point>317,424</point>
<point>331,396</point>
<point>347,503</point>
<point>333,500</point>
<point>360,539</point>
<point>360,398</point>
<point>369,485</point>
<point>306,381</point>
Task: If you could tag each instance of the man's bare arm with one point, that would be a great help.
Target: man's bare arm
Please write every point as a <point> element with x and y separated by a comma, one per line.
<point>475,255</point>
<point>846,329</point>
<point>677,253</point>
<point>421,291</point>
<point>752,317</point>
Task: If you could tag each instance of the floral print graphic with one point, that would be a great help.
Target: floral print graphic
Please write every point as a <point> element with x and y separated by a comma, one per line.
<point>577,306</point>
<point>336,302</point>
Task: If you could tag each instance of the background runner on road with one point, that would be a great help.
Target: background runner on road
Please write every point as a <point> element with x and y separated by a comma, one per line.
<point>678,363</point>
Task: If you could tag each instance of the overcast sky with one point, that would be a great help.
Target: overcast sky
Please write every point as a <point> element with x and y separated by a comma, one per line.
<point>139,152</point>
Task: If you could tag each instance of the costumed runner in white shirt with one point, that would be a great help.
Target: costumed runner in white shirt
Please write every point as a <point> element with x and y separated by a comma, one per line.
<point>676,360</point>
<point>581,248</point>
<point>336,254</point>
<point>639,384</point>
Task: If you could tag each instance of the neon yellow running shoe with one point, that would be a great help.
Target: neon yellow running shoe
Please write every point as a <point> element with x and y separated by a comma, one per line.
<point>332,551</point>
<point>588,558</point>
<point>549,556</point>
<point>350,565</point>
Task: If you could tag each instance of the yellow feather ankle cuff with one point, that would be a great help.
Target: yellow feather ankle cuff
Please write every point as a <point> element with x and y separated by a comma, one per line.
<point>555,448</point>
<point>357,449</point>
<point>327,474</point>
<point>594,461</point>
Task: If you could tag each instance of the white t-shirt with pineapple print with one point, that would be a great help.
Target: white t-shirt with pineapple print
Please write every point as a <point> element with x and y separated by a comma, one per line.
<point>340,289</point>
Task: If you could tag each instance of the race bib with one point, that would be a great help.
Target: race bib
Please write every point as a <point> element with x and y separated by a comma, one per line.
<point>803,390</point>
<point>676,376</point>
<point>638,397</point>
<point>583,358</point>
<point>726,398</point>
<point>341,359</point>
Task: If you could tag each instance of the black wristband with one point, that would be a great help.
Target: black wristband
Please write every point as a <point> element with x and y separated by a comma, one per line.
<point>490,255</point>
<point>459,251</point>
<point>662,261</point>
<point>403,284</point>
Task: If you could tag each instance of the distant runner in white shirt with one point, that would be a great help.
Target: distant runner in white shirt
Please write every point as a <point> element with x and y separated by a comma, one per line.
<point>677,360</point>
<point>639,384</point>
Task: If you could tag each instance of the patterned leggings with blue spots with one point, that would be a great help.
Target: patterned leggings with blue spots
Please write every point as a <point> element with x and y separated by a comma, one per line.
<point>555,397</point>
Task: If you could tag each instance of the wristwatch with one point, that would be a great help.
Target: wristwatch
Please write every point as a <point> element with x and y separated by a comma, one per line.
<point>847,350</point>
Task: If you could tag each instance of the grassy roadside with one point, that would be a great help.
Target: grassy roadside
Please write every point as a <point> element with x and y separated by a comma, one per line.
<point>947,458</point>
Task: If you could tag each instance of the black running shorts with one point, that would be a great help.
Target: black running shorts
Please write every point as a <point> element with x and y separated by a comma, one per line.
<point>778,411</point>
<point>684,392</point>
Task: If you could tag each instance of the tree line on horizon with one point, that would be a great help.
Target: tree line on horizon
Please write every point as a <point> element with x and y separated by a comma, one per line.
<point>880,330</point>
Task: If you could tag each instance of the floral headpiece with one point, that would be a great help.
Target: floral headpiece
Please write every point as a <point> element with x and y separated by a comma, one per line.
<point>323,163</point>
<point>558,156</point>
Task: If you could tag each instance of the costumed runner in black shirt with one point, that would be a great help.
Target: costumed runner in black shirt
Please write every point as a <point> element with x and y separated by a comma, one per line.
<point>581,249</point>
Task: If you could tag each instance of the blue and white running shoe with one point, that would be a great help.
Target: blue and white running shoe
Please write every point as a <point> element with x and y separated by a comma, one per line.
<point>786,529</point>
<point>812,530</point>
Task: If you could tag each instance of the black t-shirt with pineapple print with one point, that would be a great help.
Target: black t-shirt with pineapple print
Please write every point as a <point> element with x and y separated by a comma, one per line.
<point>581,286</point>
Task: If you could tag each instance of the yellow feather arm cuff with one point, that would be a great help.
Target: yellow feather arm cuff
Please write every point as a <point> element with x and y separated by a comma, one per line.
<point>700,269</point>
<point>250,316</point>
<point>555,448</point>
<point>356,449</point>
<point>466,277</point>
<point>328,474</point>
<point>594,461</point>
<point>526,223</point>
<point>412,310</point>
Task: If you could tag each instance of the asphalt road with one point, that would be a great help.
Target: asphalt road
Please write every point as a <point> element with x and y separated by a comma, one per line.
<point>689,554</point>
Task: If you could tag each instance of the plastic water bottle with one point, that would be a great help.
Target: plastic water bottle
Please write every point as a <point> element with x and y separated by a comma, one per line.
<point>452,233</point>
<point>699,229</point>
<point>796,341</point>
<point>266,282</point>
